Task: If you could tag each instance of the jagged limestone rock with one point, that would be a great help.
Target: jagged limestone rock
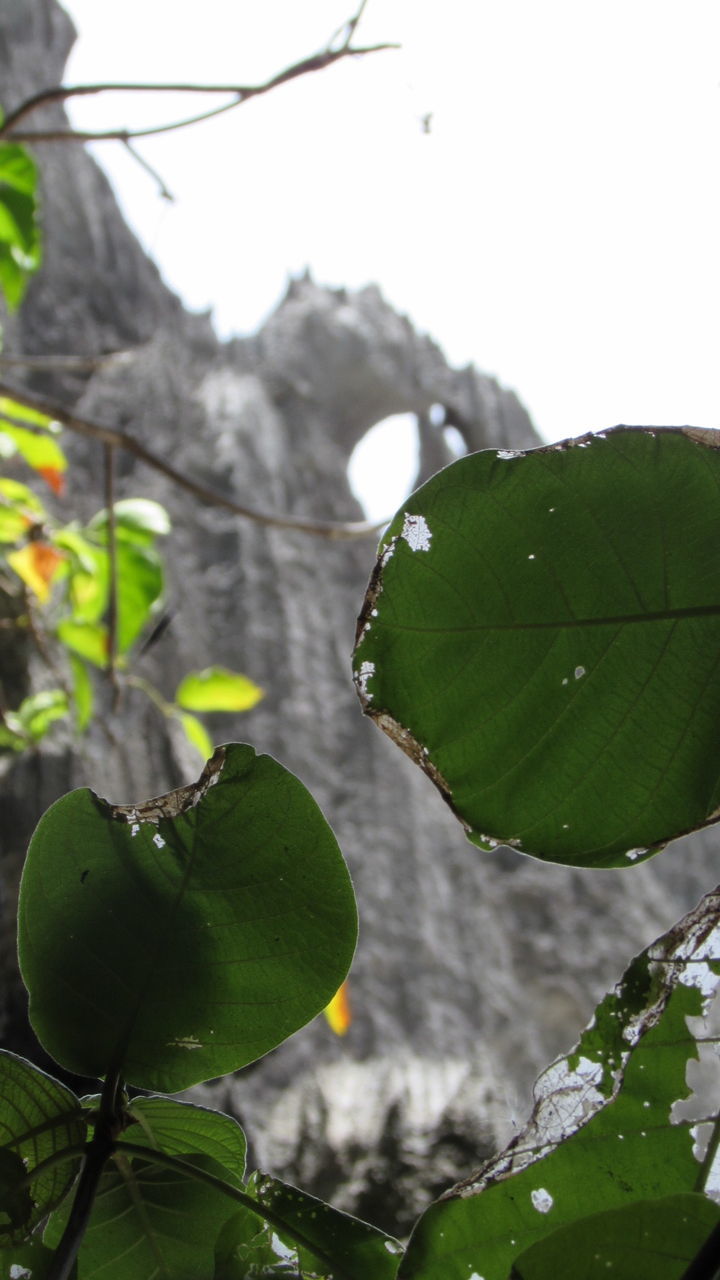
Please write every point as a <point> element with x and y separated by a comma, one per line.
<point>472,969</point>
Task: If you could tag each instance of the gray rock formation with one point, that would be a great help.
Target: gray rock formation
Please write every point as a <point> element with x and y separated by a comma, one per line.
<point>472,970</point>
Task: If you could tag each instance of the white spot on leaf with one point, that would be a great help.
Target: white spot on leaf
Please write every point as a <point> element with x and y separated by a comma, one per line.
<point>541,1200</point>
<point>184,1042</point>
<point>505,454</point>
<point>366,672</point>
<point>158,840</point>
<point>579,673</point>
<point>416,533</point>
<point>134,828</point>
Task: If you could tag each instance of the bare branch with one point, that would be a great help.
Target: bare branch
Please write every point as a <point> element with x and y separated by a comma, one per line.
<point>241,94</point>
<point>333,529</point>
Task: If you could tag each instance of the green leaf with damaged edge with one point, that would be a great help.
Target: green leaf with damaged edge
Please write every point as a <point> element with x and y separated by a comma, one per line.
<point>39,1119</point>
<point>648,1240</point>
<point>541,636</point>
<point>217,689</point>
<point>208,925</point>
<point>601,1135</point>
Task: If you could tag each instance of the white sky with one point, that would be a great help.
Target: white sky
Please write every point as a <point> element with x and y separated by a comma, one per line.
<point>558,226</point>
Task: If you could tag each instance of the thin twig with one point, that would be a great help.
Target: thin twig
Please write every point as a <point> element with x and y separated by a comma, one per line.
<point>241,94</point>
<point>122,440</point>
<point>153,173</point>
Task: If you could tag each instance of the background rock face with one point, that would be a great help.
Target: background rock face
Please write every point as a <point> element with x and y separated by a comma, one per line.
<point>473,969</point>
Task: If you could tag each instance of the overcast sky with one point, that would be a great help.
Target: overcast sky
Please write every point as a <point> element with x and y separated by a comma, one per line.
<point>558,224</point>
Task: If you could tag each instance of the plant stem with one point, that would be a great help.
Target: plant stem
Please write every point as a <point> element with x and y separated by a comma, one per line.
<point>255,1206</point>
<point>98,1152</point>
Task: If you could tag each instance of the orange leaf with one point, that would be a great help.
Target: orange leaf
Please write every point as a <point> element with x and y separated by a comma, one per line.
<point>36,563</point>
<point>338,1012</point>
<point>54,478</point>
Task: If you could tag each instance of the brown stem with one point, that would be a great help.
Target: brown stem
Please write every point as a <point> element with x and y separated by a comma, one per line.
<point>122,440</point>
<point>241,94</point>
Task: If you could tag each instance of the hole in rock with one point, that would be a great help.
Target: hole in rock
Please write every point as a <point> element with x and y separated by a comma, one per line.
<point>384,464</point>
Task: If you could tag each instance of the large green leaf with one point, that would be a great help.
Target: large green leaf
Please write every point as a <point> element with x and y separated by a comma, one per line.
<point>182,938</point>
<point>39,1119</point>
<point>149,1223</point>
<point>542,636</point>
<point>650,1240</point>
<point>601,1135</point>
<point>183,1129</point>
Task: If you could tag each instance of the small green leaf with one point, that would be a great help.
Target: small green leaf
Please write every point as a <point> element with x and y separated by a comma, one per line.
<point>541,636</point>
<point>38,712</point>
<point>39,1118</point>
<point>41,452</point>
<point>184,1129</point>
<point>196,734</point>
<point>23,413</point>
<point>85,639</point>
<point>217,689</point>
<point>140,583</point>
<point>207,925</point>
<point>19,232</point>
<point>138,520</point>
<point>83,696</point>
<point>19,510</point>
<point>648,1240</point>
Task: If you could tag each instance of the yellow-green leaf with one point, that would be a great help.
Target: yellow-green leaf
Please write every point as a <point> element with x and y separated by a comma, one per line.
<point>217,689</point>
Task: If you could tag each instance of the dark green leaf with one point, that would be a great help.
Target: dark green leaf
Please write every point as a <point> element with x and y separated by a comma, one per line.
<point>31,1261</point>
<point>182,1129</point>
<point>217,689</point>
<point>601,1135</point>
<point>149,1221</point>
<point>207,925</point>
<point>649,1240</point>
<point>39,1118</point>
<point>541,636</point>
<point>328,1242</point>
<point>247,1247</point>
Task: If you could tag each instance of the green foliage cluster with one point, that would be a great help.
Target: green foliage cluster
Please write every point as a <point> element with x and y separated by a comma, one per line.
<point>540,635</point>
